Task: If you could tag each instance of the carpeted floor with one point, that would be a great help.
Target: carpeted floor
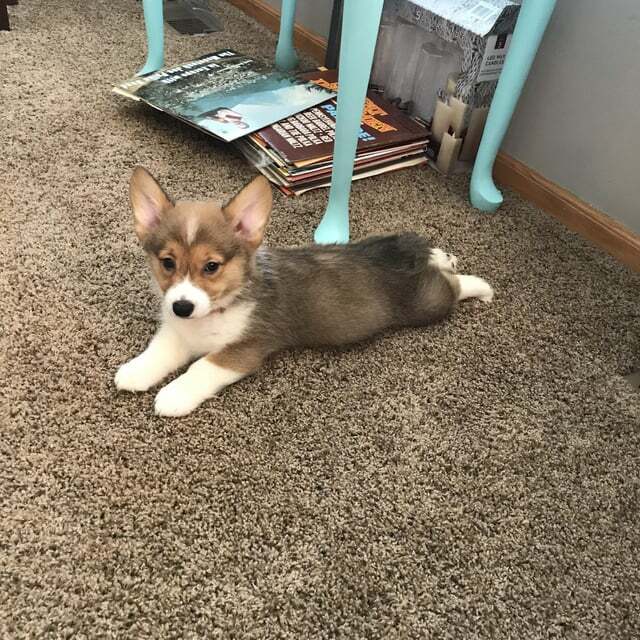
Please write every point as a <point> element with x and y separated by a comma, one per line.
<point>479,479</point>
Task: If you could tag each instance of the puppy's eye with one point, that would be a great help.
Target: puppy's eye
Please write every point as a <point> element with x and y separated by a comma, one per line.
<point>168,263</point>
<point>211,267</point>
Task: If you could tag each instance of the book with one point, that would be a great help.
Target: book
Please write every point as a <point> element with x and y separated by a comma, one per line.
<point>225,94</point>
<point>296,154</point>
<point>358,174</point>
<point>308,137</point>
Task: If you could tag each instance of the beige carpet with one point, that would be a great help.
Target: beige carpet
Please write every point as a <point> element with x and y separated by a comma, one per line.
<point>479,479</point>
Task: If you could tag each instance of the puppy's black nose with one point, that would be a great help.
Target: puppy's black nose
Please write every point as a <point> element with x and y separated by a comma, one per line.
<point>183,308</point>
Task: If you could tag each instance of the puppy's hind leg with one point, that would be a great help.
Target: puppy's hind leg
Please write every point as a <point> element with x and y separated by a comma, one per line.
<point>443,261</point>
<point>473,287</point>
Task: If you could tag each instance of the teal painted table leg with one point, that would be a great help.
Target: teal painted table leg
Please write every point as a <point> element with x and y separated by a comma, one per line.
<point>154,25</point>
<point>286,58</point>
<point>360,23</point>
<point>532,23</point>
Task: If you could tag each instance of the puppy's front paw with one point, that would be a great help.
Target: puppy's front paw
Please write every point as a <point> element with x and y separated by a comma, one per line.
<point>176,399</point>
<point>134,375</point>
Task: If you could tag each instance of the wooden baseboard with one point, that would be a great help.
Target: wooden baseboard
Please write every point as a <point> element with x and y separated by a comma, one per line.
<point>305,40</point>
<point>600,229</point>
<point>575,214</point>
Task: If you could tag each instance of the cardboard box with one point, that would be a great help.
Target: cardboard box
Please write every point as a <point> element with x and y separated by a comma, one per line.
<point>480,30</point>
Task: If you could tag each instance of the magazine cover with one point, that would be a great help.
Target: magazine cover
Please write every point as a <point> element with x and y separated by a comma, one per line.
<point>308,136</point>
<point>225,93</point>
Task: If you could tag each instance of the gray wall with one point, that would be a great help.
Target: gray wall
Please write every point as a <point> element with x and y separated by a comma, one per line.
<point>578,121</point>
<point>314,15</point>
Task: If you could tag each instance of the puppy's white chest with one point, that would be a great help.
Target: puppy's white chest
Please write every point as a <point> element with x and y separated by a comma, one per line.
<point>214,332</point>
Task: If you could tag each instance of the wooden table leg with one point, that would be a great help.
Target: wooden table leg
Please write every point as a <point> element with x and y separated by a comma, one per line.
<point>4,16</point>
<point>333,42</point>
<point>286,57</point>
<point>360,24</point>
<point>154,26</point>
<point>530,27</point>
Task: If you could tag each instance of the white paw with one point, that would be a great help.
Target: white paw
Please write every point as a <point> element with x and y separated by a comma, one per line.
<point>488,296</point>
<point>134,376</point>
<point>176,399</point>
<point>474,287</point>
<point>442,260</point>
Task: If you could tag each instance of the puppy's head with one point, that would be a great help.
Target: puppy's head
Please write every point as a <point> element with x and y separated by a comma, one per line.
<point>200,252</point>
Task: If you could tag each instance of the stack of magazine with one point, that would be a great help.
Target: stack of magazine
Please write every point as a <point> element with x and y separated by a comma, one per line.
<point>296,154</point>
<point>238,99</point>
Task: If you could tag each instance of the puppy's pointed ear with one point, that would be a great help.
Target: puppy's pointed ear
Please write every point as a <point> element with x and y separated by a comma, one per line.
<point>148,200</point>
<point>249,211</point>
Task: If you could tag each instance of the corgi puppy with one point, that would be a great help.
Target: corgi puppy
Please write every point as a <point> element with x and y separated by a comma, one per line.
<point>228,302</point>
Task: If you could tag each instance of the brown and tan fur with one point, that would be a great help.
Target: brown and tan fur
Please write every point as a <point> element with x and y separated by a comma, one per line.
<point>231,302</point>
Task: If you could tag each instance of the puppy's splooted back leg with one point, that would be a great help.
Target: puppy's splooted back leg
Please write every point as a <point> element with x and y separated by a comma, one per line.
<point>474,287</point>
<point>466,286</point>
